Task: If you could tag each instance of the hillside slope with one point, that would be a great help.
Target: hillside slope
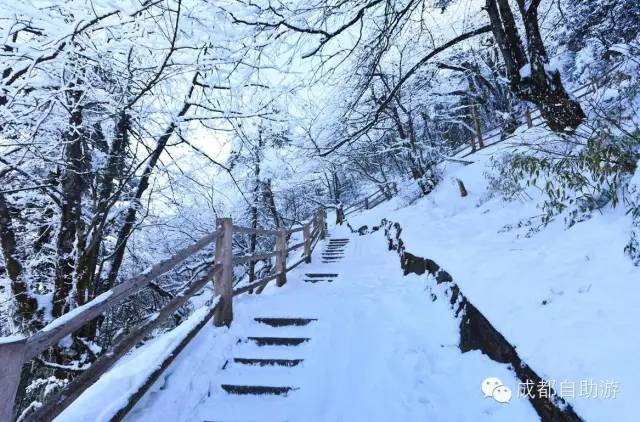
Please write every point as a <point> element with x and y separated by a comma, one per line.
<point>565,297</point>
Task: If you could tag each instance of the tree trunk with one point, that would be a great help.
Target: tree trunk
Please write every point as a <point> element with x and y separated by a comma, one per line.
<point>72,186</point>
<point>26,303</point>
<point>88,259</point>
<point>254,214</point>
<point>540,85</point>
<point>143,184</point>
<point>132,211</point>
<point>271,203</point>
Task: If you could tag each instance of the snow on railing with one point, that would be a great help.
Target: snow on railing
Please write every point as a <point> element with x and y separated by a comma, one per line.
<point>16,351</point>
<point>376,198</point>
<point>532,118</point>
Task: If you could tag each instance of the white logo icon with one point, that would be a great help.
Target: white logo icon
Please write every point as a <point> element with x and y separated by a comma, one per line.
<point>493,387</point>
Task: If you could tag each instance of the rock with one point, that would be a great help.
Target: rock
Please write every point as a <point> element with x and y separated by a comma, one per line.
<point>443,277</point>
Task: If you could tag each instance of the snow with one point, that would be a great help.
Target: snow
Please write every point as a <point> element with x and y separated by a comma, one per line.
<point>128,375</point>
<point>11,339</point>
<point>566,298</point>
<point>77,311</point>
<point>380,350</point>
<point>634,183</point>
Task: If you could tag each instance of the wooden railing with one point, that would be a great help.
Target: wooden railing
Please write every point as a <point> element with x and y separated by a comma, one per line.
<point>384,193</point>
<point>14,353</point>
<point>531,118</point>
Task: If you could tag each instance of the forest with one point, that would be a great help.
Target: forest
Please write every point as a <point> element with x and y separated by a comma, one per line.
<point>128,127</point>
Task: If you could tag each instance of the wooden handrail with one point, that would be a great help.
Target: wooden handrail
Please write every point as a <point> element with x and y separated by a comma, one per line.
<point>295,264</point>
<point>153,377</point>
<point>64,398</point>
<point>296,246</point>
<point>77,318</point>
<point>361,201</point>
<point>249,230</point>
<point>259,283</point>
<point>531,116</point>
<point>254,257</point>
<point>15,352</point>
<point>369,204</point>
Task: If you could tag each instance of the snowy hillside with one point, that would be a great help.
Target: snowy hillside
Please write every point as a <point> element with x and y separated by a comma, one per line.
<point>331,210</point>
<point>565,297</point>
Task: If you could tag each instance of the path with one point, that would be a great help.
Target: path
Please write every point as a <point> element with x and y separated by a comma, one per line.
<point>374,347</point>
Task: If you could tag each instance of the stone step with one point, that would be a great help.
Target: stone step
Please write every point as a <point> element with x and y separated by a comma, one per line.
<point>255,389</point>
<point>283,322</point>
<point>278,341</point>
<point>268,362</point>
<point>316,280</point>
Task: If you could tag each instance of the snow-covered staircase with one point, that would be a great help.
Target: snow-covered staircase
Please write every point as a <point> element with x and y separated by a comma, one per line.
<point>262,369</point>
<point>265,363</point>
<point>359,349</point>
<point>333,252</point>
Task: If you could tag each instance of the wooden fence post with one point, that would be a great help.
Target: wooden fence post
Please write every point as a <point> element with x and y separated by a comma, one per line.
<point>306,233</point>
<point>527,115</point>
<point>463,190</point>
<point>476,122</point>
<point>387,191</point>
<point>281,257</point>
<point>339,214</point>
<point>321,224</point>
<point>366,203</point>
<point>11,361</point>
<point>223,285</point>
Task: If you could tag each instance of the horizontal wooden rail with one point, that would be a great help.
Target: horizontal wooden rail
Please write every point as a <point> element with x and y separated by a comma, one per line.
<point>192,333</point>
<point>295,264</point>
<point>532,116</point>
<point>77,318</point>
<point>259,283</point>
<point>64,398</point>
<point>296,246</point>
<point>361,202</point>
<point>249,230</point>
<point>255,257</point>
<point>14,352</point>
<point>153,377</point>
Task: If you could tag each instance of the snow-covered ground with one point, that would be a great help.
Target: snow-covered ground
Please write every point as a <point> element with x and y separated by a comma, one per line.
<point>379,351</point>
<point>566,298</point>
<point>382,350</point>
